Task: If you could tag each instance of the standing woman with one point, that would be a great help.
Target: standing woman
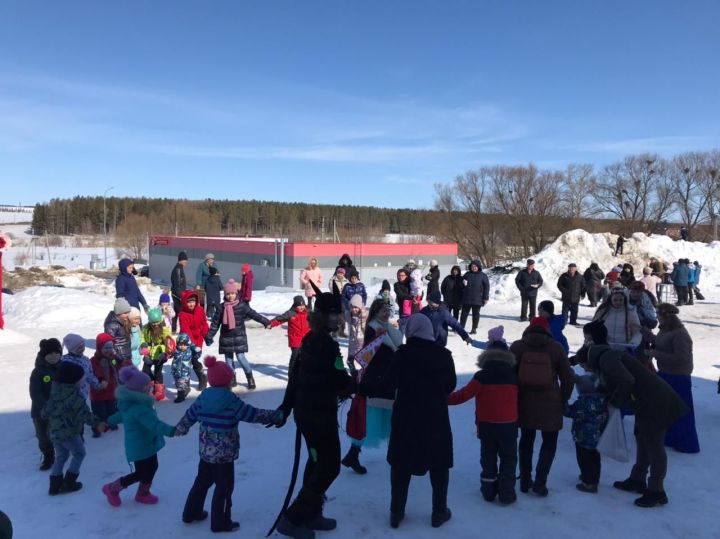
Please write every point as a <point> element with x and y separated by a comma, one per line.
<point>311,273</point>
<point>422,375</point>
<point>621,320</point>
<point>452,291</point>
<point>475,294</point>
<point>672,347</point>
<point>433,278</point>
<point>126,286</point>
<point>407,304</point>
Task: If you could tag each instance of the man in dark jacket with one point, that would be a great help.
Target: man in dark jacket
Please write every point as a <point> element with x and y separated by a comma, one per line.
<point>619,245</point>
<point>317,381</point>
<point>593,277</point>
<point>41,379</point>
<point>213,288</point>
<point>528,281</point>
<point>433,277</point>
<point>442,319</point>
<point>452,290</point>
<point>572,287</point>
<point>178,284</point>
<point>126,286</point>
<point>475,294</point>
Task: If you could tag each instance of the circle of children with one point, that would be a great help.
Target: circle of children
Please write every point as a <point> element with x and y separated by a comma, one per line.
<point>400,375</point>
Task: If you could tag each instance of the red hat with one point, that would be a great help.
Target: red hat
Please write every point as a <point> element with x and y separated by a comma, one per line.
<point>245,268</point>
<point>219,373</point>
<point>101,340</point>
<point>541,322</point>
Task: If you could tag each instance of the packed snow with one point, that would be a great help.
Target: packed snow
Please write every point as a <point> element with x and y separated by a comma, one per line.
<point>361,503</point>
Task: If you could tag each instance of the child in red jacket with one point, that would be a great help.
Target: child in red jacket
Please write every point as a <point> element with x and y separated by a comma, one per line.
<point>296,318</point>
<point>495,389</point>
<point>102,401</point>
<point>193,321</point>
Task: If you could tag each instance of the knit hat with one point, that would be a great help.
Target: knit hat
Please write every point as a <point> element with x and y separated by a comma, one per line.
<point>617,288</point>
<point>586,383</point>
<point>155,315</point>
<point>637,285</point>
<point>219,373</point>
<point>213,270</point>
<point>297,301</point>
<point>121,306</point>
<point>101,340</point>
<point>183,338</point>
<point>410,262</point>
<point>74,343</point>
<point>340,271</point>
<point>541,322</point>
<point>133,379</point>
<point>356,301</point>
<point>496,334</point>
<point>164,298</point>
<point>69,373</point>
<point>385,285</point>
<point>245,268</point>
<point>434,297</point>
<point>618,268</point>
<point>134,313</point>
<point>419,325</point>
<point>209,256</point>
<point>230,287</point>
<point>182,255</point>
<point>50,346</point>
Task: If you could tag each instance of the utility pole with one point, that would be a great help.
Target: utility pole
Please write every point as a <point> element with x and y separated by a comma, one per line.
<point>104,223</point>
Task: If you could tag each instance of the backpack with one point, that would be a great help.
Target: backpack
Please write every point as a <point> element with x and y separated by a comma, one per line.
<point>536,371</point>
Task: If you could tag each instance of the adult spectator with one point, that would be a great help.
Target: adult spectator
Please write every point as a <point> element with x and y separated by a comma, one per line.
<point>407,303</point>
<point>673,351</point>
<point>528,281</point>
<point>691,282</point>
<point>698,270</point>
<point>651,282</point>
<point>679,277</point>
<point>621,321</point>
<point>246,283</point>
<point>572,288</point>
<point>422,375</point>
<point>630,385</point>
<point>476,293</point>
<point>627,275</point>
<point>311,273</point>
<point>546,382</point>
<point>452,291</point>
<point>178,284</point>
<point>442,319</point>
<point>126,286</point>
<point>593,277</point>
<point>433,278</point>
<point>201,276</point>
<point>644,303</point>
<point>619,244</point>
<point>346,263</point>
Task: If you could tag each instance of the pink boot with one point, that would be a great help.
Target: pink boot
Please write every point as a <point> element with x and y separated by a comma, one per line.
<point>112,491</point>
<point>143,494</point>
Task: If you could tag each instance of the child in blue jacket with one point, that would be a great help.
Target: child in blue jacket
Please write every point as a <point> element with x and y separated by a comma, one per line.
<point>218,410</point>
<point>182,363</point>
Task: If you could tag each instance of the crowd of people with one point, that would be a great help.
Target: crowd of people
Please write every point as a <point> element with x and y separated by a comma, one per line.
<point>399,376</point>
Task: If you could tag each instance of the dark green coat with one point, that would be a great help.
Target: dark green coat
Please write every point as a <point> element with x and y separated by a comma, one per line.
<point>67,412</point>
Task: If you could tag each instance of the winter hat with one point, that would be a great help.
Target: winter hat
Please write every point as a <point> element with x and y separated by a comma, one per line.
<point>665,309</point>
<point>230,287</point>
<point>101,340</point>
<point>340,271</point>
<point>209,256</point>
<point>586,383</point>
<point>597,330</point>
<point>245,268</point>
<point>410,262</point>
<point>50,346</point>
<point>134,313</point>
<point>183,338</point>
<point>433,263</point>
<point>121,306</point>
<point>164,298</point>
<point>541,322</point>
<point>572,265</point>
<point>618,268</point>
<point>69,373</point>
<point>155,315</point>
<point>637,285</point>
<point>496,334</point>
<point>213,270</point>
<point>617,288</point>
<point>434,297</point>
<point>133,379</point>
<point>496,354</point>
<point>74,343</point>
<point>182,255</point>
<point>356,301</point>
<point>530,262</point>
<point>385,285</point>
<point>547,306</point>
<point>419,326</point>
<point>297,301</point>
<point>219,373</point>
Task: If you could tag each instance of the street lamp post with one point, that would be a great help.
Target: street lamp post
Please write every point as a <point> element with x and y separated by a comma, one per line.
<point>105,223</point>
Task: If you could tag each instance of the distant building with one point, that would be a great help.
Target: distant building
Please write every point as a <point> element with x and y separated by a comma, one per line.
<point>277,262</point>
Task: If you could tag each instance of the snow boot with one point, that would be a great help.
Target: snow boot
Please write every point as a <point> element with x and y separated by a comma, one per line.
<point>631,485</point>
<point>230,526</point>
<point>440,517</point>
<point>396,519</point>
<point>70,483</point>
<point>352,460</point>
<point>286,527</point>
<point>47,461</point>
<point>652,499</point>
<point>489,488</point>
<point>587,487</point>
<point>144,496</point>
<point>187,519</point>
<point>540,489</point>
<point>56,482</point>
<point>159,392</point>
<point>112,491</point>
<point>526,483</point>
<point>321,523</point>
<point>180,396</point>
<point>250,380</point>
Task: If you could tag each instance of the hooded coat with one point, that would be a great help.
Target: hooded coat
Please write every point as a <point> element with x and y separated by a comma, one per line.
<point>542,408</point>
<point>442,319</point>
<point>452,288</point>
<point>346,263</point>
<point>477,287</point>
<point>41,380</point>
<point>104,369</point>
<point>126,286</point>
<point>194,322</point>
<point>67,412</point>
<point>114,327</point>
<point>433,279</point>
<point>422,374</point>
<point>234,341</point>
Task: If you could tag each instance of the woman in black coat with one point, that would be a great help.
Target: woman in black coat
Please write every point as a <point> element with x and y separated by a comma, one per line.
<point>452,291</point>
<point>433,278</point>
<point>422,374</point>
<point>407,304</point>
<point>475,294</point>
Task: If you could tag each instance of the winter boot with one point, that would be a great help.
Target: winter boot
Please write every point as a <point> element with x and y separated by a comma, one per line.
<point>229,526</point>
<point>540,489</point>
<point>70,483</point>
<point>48,460</point>
<point>202,381</point>
<point>250,380</point>
<point>440,517</point>
<point>180,396</point>
<point>286,527</point>
<point>651,499</point>
<point>159,392</point>
<point>187,519</point>
<point>489,488</point>
<point>144,496</point>
<point>352,460</point>
<point>56,482</point>
<point>396,519</point>
<point>587,487</point>
<point>112,491</point>
<point>526,483</point>
<point>631,485</point>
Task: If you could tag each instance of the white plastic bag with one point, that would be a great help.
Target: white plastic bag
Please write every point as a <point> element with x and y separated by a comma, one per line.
<point>613,442</point>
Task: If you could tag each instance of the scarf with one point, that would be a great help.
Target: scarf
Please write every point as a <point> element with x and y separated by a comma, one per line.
<point>229,313</point>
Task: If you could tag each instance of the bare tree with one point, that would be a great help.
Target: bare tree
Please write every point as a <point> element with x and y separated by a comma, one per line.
<point>710,186</point>
<point>693,192</point>
<point>576,194</point>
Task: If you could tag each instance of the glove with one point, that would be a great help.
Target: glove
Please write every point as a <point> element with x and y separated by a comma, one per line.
<point>278,420</point>
<point>208,341</point>
<point>144,350</point>
<point>275,323</point>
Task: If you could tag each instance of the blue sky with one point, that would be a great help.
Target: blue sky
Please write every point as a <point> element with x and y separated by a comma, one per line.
<point>341,102</point>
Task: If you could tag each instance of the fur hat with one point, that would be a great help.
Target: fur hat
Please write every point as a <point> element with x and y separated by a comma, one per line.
<point>133,379</point>
<point>134,313</point>
<point>69,373</point>
<point>540,322</point>
<point>297,301</point>
<point>230,287</point>
<point>496,354</point>
<point>586,383</point>
<point>209,256</point>
<point>74,343</point>
<point>496,334</point>
<point>164,298</point>
<point>155,315</point>
<point>433,263</point>
<point>50,346</point>
<point>434,296</point>
<point>356,301</point>
<point>121,306</point>
<point>219,373</point>
<point>182,255</point>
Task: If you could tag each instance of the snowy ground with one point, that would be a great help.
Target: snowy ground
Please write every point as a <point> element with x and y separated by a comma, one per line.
<point>359,502</point>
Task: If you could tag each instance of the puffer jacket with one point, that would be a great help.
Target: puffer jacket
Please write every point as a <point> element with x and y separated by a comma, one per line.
<point>126,286</point>
<point>589,414</point>
<point>90,379</point>
<point>623,326</point>
<point>674,350</point>
<point>477,286</point>
<point>525,281</point>
<point>307,275</point>
<point>67,412</point>
<point>441,319</point>
<point>181,365</point>
<point>452,289</point>
<point>41,380</point>
<point>234,341</point>
<point>114,327</point>
<point>433,279</point>
<point>297,323</point>
<point>194,322</point>
<point>349,290</point>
